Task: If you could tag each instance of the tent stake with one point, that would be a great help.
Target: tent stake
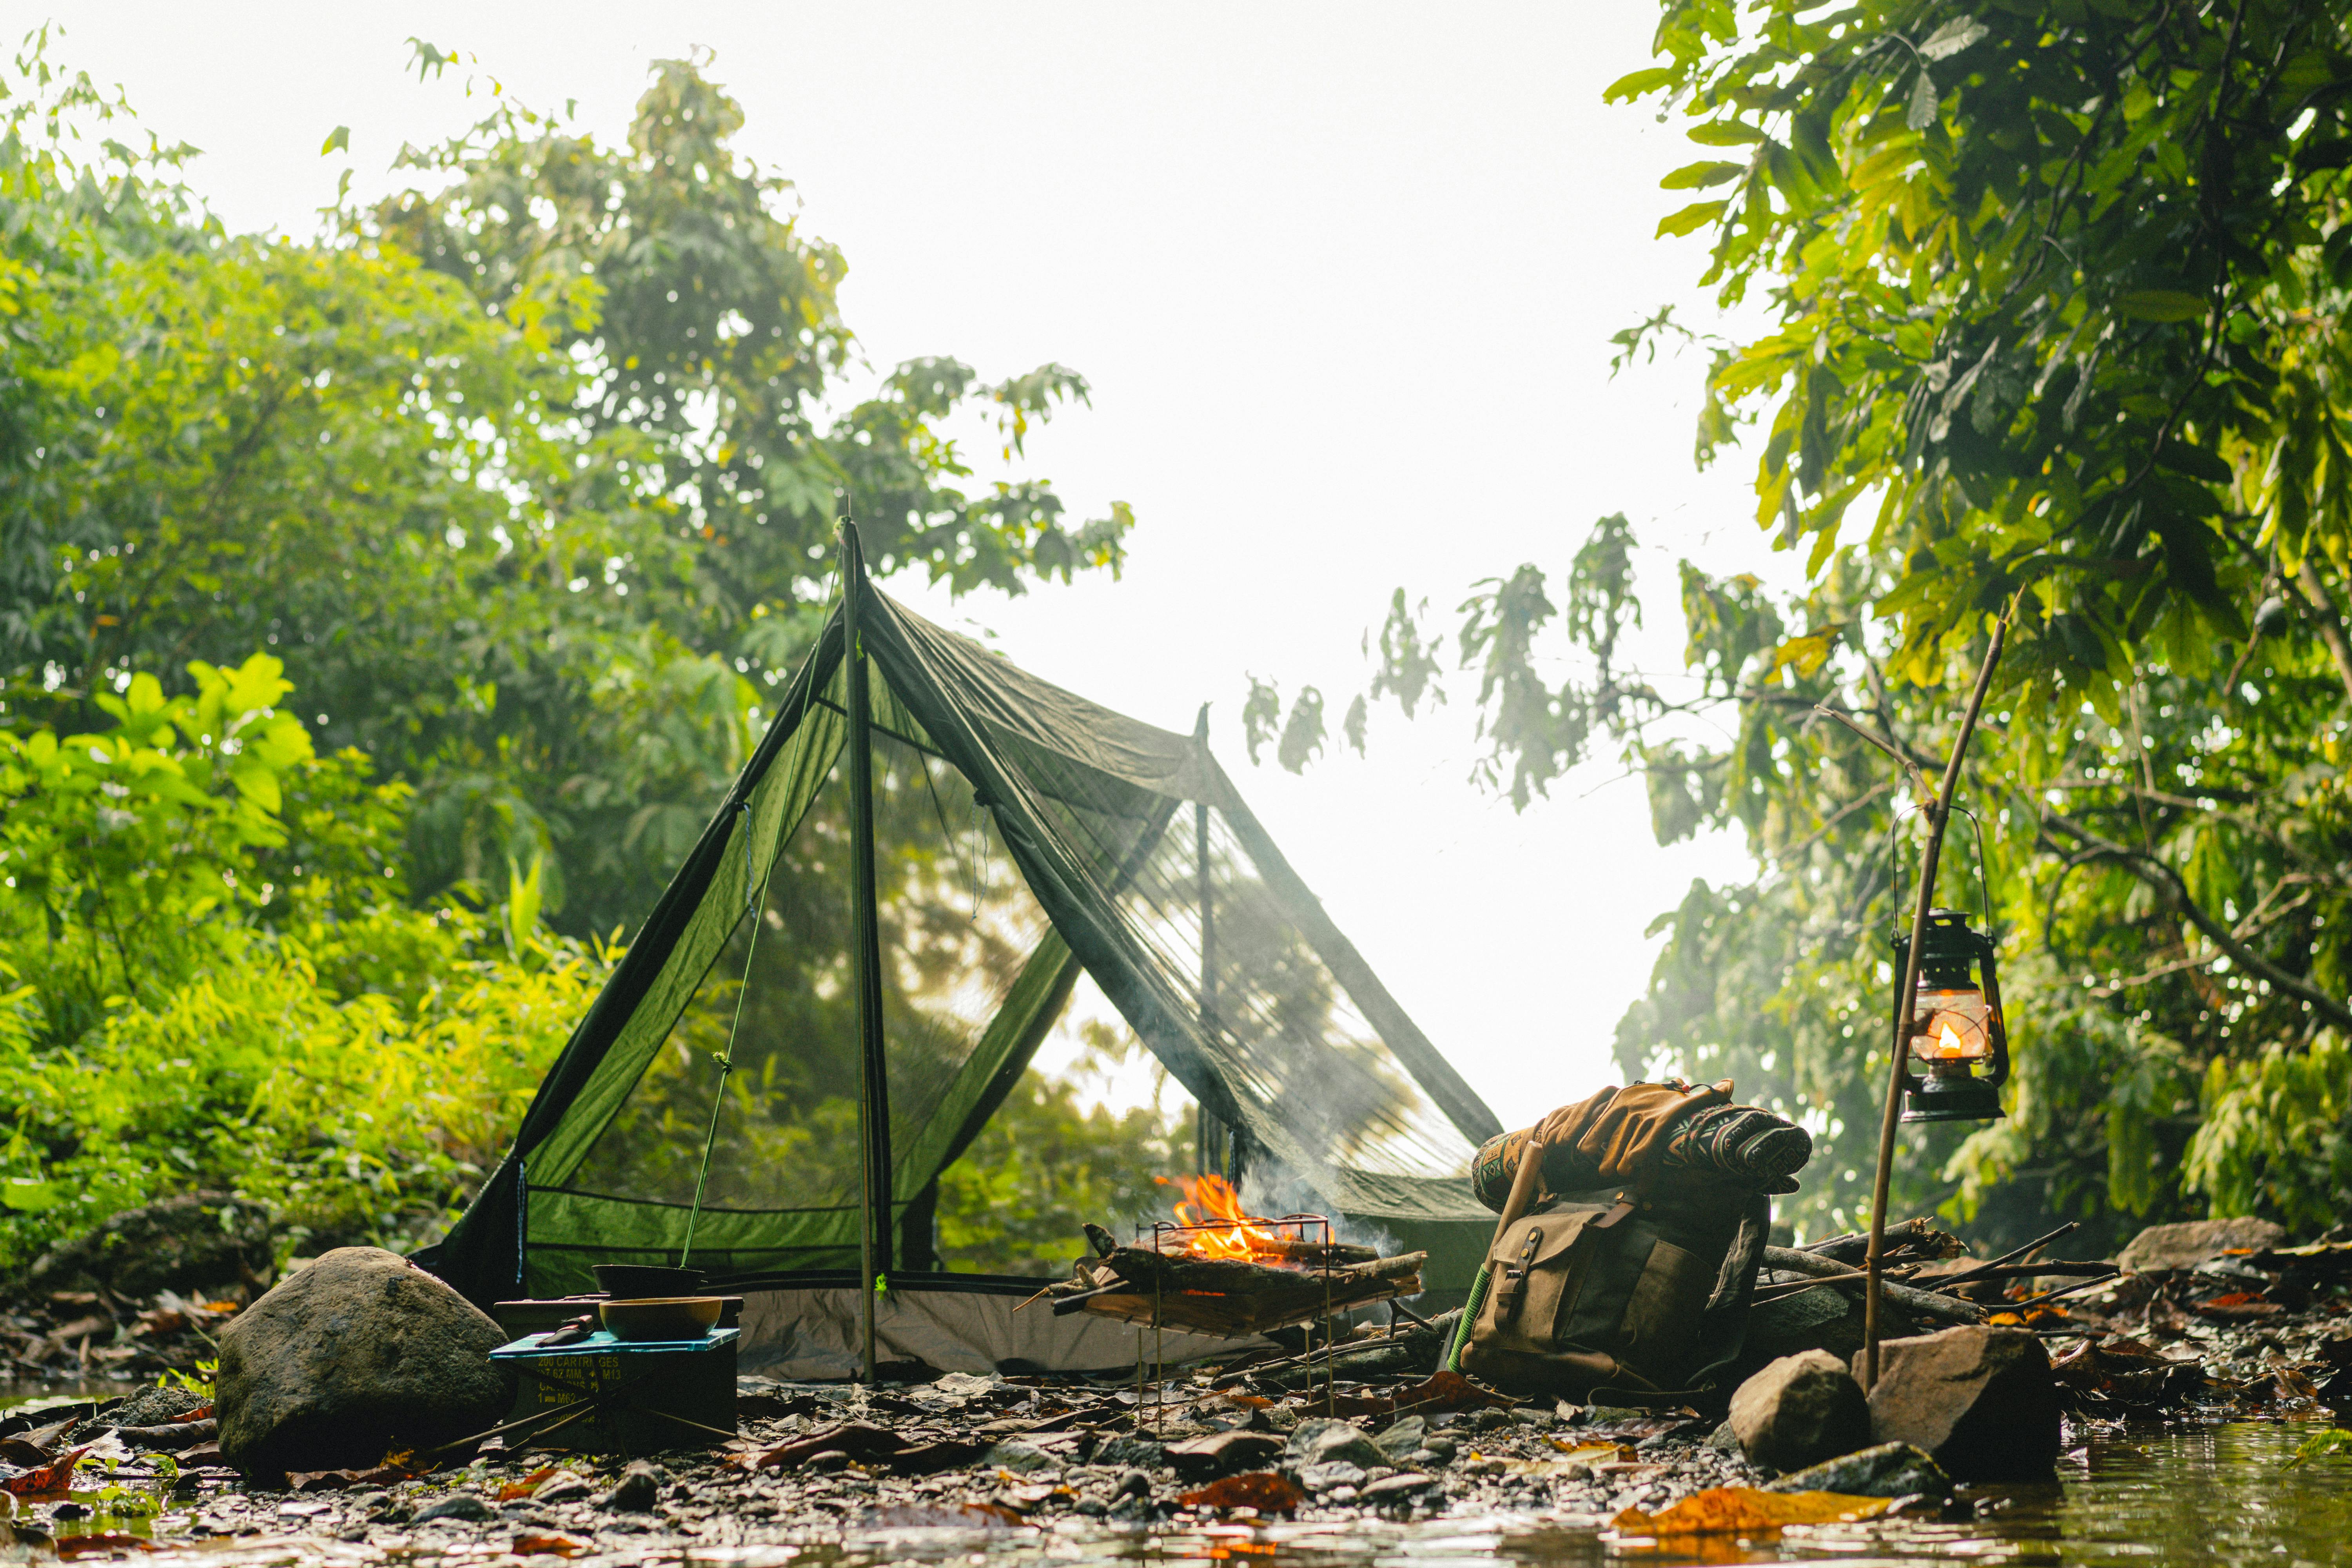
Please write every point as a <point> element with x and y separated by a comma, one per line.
<point>873,1084</point>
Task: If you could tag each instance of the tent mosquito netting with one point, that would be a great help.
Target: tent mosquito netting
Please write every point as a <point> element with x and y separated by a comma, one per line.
<point>1020,837</point>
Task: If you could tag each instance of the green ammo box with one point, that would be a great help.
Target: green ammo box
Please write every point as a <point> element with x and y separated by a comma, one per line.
<point>647,1394</point>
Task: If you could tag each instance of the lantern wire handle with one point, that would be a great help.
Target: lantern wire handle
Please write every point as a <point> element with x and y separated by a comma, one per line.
<point>1894,861</point>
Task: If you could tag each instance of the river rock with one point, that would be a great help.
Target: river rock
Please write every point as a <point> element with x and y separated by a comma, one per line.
<point>356,1355</point>
<point>1224,1453</point>
<point>186,1243</point>
<point>1019,1457</point>
<point>1980,1400</point>
<point>463,1506</point>
<point>2195,1241</point>
<point>1330,1475</point>
<point>1890,1469</point>
<point>1800,1411</point>
<point>1323,1442</point>
<point>1401,1438</point>
<point>1131,1451</point>
<point>637,1490</point>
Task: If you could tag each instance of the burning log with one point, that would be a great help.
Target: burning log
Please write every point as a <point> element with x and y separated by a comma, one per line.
<point>1232,1296</point>
<point>1222,1270</point>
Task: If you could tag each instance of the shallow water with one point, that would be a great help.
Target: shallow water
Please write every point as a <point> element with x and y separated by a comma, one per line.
<point>2213,1495</point>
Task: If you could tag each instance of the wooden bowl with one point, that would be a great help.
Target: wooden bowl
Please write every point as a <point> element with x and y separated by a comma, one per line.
<point>661,1316</point>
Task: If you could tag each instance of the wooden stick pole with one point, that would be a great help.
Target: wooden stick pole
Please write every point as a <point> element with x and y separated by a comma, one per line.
<point>1906,1006</point>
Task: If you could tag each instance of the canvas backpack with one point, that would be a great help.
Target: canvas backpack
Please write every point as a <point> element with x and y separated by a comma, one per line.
<point>1631,1294</point>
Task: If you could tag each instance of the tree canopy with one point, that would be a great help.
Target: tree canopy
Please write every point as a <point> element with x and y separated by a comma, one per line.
<point>383,613</point>
<point>529,474</point>
<point>2054,300</point>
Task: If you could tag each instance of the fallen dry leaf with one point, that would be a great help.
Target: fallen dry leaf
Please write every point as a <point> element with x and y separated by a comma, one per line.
<point>550,1543</point>
<point>1592,1453</point>
<point>528,1485</point>
<point>1443,1393</point>
<point>383,1475</point>
<point>1263,1490</point>
<point>55,1477</point>
<point>17,1451</point>
<point>101,1544</point>
<point>1728,1510</point>
<point>858,1439</point>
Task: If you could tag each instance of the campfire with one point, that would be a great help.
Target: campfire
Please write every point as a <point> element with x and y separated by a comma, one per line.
<point>1217,1268</point>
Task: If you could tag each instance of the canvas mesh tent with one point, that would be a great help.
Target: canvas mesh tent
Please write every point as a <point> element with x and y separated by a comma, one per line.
<point>1018,836</point>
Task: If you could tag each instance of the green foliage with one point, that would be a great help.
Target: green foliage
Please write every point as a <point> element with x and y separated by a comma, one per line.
<point>2324,1444</point>
<point>529,474</point>
<point>1043,1167</point>
<point>2057,293</point>
<point>224,986</point>
<point>2058,289</point>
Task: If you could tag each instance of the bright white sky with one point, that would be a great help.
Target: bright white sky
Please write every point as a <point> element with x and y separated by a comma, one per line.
<point>1342,278</point>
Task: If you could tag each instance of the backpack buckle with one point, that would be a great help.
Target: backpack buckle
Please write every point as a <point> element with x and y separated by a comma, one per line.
<point>1626,1203</point>
<point>1514,1278</point>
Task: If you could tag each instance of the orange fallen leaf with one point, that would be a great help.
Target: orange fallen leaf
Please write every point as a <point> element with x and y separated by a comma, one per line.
<point>101,1544</point>
<point>550,1543</point>
<point>1726,1511</point>
<point>1263,1490</point>
<point>528,1485</point>
<point>51,1477</point>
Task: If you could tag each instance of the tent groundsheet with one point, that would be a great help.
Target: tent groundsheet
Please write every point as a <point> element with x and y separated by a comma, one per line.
<point>810,1330</point>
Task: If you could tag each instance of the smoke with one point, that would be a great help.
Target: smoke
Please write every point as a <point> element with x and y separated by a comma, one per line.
<point>1272,1189</point>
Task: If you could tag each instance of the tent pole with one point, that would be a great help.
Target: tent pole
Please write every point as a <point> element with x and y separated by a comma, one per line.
<point>873,1083</point>
<point>1208,1131</point>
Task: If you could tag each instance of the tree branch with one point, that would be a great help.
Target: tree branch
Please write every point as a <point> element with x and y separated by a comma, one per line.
<point>2167,884</point>
<point>2330,624</point>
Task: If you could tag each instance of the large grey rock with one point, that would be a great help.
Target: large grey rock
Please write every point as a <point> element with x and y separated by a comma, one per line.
<point>1980,1400</point>
<point>2195,1241</point>
<point>1823,1319</point>
<point>186,1243</point>
<point>1890,1469</point>
<point>1798,1411</point>
<point>358,1354</point>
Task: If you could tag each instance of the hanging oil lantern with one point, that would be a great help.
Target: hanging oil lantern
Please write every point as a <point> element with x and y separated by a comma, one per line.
<point>1958,1031</point>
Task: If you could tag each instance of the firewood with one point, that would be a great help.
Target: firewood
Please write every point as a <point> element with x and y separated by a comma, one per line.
<point>1233,1297</point>
<point>1286,1250</point>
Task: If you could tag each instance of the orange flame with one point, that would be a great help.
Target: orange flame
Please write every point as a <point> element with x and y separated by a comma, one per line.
<point>1211,1200</point>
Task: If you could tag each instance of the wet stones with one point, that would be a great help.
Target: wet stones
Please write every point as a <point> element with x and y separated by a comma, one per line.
<point>1320,1442</point>
<point>463,1506</point>
<point>638,1490</point>
<point>357,1354</point>
<point>1224,1454</point>
<point>1980,1400</point>
<point>2192,1242</point>
<point>1800,1410</point>
<point>1402,1439</point>
<point>1889,1469</point>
